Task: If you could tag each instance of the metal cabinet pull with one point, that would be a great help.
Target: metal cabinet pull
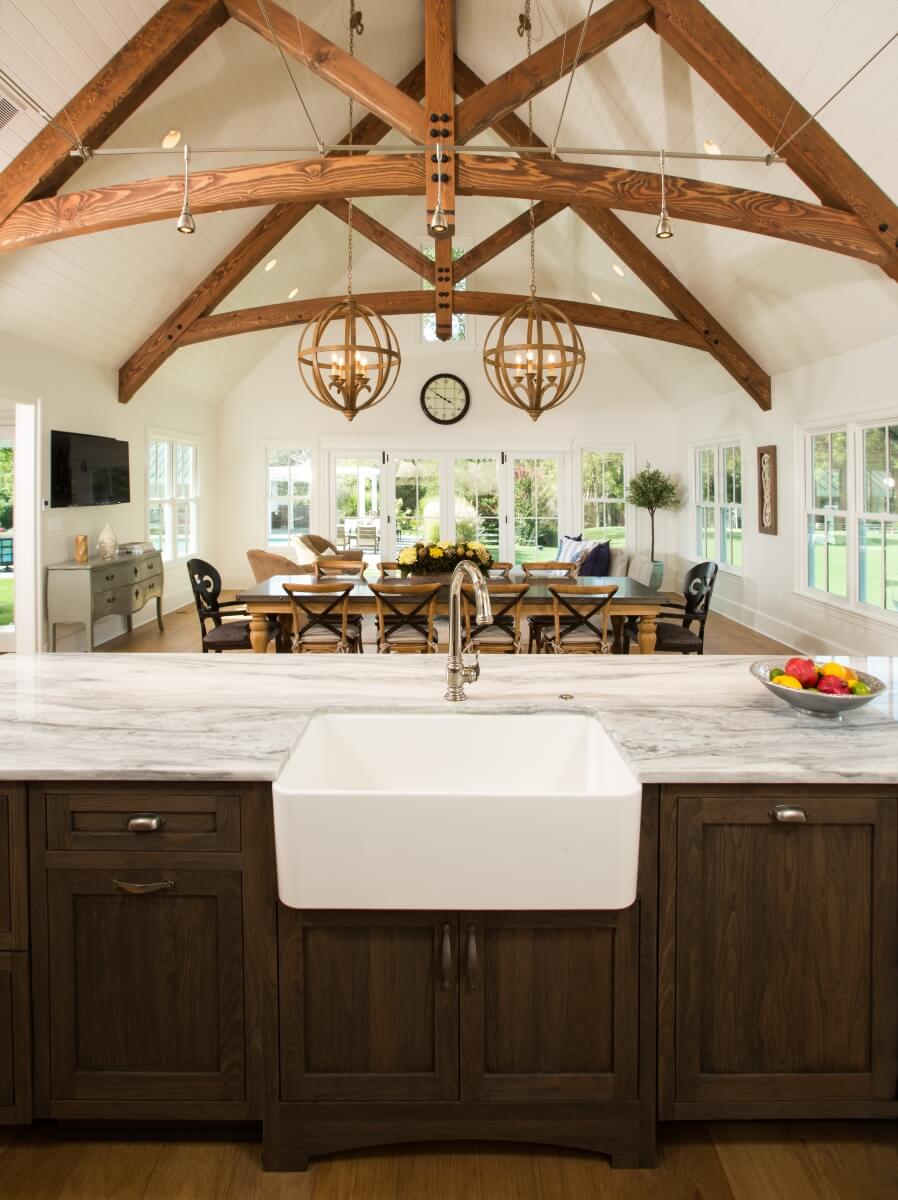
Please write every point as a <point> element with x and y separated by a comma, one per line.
<point>109,578</point>
<point>471,964</point>
<point>145,823</point>
<point>446,959</point>
<point>788,812</point>
<point>143,889</point>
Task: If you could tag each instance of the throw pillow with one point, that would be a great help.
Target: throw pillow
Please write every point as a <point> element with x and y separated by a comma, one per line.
<point>598,560</point>
<point>570,549</point>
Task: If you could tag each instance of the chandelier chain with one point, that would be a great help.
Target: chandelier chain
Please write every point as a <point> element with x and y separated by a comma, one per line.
<point>528,27</point>
<point>352,28</point>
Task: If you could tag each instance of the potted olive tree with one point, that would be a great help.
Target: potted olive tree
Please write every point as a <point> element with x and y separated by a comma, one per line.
<point>653,489</point>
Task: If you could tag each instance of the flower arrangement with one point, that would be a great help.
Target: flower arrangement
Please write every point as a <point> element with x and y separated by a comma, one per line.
<point>437,558</point>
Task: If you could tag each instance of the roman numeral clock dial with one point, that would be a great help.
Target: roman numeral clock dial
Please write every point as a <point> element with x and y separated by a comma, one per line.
<point>445,399</point>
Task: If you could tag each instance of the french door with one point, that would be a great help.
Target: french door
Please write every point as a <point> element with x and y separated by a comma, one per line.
<point>382,501</point>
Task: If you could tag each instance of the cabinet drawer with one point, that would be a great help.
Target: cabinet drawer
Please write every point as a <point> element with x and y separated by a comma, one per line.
<point>105,579</point>
<point>142,820</point>
<point>144,592</point>
<point>118,602</point>
<point>151,565</point>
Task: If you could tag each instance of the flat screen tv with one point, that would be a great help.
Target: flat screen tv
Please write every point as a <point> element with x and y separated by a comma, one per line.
<point>87,470</point>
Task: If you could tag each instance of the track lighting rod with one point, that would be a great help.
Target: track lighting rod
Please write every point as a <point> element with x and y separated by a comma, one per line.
<point>501,151</point>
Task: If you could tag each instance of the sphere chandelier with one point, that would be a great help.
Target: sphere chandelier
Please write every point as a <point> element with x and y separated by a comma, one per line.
<point>349,355</point>
<point>533,355</point>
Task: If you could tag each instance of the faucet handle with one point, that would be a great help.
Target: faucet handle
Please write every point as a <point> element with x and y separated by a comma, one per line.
<point>470,674</point>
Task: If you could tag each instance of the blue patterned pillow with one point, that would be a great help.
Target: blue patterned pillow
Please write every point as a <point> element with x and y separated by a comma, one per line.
<point>598,560</point>
<point>570,549</point>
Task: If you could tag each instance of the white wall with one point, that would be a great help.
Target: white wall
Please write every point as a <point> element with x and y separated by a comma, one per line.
<point>612,405</point>
<point>853,385</point>
<point>83,397</point>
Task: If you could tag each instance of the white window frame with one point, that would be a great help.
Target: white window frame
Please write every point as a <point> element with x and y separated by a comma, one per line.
<point>854,427</point>
<point>312,452</point>
<point>629,453</point>
<point>721,504</point>
<point>171,501</point>
<point>810,509</point>
<point>861,514</point>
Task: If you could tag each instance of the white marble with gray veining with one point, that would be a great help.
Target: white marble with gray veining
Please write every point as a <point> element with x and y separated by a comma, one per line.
<point>193,716</point>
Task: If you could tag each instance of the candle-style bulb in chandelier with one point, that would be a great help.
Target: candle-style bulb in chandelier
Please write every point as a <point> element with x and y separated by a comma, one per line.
<point>349,356</point>
<point>664,228</point>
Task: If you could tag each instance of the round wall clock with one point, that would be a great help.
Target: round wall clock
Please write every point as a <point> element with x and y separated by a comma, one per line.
<point>445,399</point>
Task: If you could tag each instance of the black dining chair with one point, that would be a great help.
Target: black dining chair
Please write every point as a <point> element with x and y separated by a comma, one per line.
<point>225,633</point>
<point>673,631</point>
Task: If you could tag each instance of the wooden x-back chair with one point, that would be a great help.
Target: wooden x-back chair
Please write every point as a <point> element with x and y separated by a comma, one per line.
<point>329,567</point>
<point>503,634</point>
<point>579,618</point>
<point>405,617</point>
<point>321,620</point>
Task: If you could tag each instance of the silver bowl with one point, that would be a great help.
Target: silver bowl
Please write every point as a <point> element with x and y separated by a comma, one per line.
<point>817,704</point>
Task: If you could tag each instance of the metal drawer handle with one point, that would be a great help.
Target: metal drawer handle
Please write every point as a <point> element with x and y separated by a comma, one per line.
<point>446,959</point>
<point>110,577</point>
<point>151,585</point>
<point>471,965</point>
<point>789,813</point>
<point>143,889</point>
<point>110,599</point>
<point>145,823</point>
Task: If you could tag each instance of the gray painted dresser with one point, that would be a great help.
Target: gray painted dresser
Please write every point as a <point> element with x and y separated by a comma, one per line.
<point>83,593</point>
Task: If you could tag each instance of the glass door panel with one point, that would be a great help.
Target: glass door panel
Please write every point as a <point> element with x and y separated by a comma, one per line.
<point>7,543</point>
<point>416,495</point>
<point>475,482</point>
<point>535,507</point>
<point>357,505</point>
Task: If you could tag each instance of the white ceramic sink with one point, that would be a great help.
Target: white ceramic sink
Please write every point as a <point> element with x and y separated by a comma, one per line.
<point>456,811</point>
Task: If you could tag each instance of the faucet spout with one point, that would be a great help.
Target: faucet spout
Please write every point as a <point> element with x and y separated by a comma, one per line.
<point>457,674</point>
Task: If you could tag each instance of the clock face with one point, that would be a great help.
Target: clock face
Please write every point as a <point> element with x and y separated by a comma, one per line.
<point>445,399</point>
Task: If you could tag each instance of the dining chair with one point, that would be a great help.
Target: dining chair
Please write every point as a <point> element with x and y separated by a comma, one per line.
<point>503,634</point>
<point>579,618</point>
<point>328,567</point>
<point>673,624</point>
<point>228,619</point>
<point>387,570</point>
<point>265,565</point>
<point>368,538</point>
<point>541,624</point>
<point>322,545</point>
<point>405,616</point>
<point>501,570</point>
<point>321,620</point>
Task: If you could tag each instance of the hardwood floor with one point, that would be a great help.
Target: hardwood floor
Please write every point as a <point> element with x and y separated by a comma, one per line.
<point>764,1160</point>
<point>181,636</point>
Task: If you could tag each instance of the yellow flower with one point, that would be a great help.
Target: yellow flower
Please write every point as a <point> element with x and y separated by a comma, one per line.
<point>407,556</point>
<point>436,552</point>
<point>443,545</point>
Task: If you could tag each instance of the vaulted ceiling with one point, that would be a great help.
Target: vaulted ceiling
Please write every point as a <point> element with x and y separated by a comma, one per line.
<point>102,294</point>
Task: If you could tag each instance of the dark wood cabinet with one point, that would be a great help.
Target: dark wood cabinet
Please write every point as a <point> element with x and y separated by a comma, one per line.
<point>368,1005</point>
<point>779,951</point>
<point>15,1040</point>
<point>145,984</point>
<point>548,1006</point>
<point>13,869</point>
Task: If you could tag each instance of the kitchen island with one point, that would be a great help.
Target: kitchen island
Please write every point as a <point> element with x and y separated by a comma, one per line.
<point>142,942</point>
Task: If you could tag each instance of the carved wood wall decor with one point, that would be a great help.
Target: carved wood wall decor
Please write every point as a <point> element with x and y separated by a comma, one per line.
<point>767,490</point>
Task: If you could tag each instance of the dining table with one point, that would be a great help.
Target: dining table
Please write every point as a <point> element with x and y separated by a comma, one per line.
<point>632,599</point>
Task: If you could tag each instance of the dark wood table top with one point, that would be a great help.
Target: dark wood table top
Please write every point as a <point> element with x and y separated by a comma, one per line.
<point>627,589</point>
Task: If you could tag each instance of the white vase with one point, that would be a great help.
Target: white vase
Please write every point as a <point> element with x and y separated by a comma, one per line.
<point>107,543</point>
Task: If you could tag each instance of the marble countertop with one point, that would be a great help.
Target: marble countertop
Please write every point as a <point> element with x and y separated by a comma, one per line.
<point>196,717</point>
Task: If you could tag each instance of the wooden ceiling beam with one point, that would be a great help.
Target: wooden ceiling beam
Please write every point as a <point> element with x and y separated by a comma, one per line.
<point>546,66</point>
<point>115,92</point>
<point>238,263</point>
<point>443,289</point>
<point>300,181</point>
<point>509,233</point>
<point>660,280</point>
<point>381,235</point>
<point>349,75</point>
<point>297,312</point>
<point>774,114</point>
<point>439,107</point>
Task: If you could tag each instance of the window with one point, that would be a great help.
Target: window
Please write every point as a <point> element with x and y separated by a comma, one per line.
<point>429,320</point>
<point>718,504</point>
<point>826,513</point>
<point>878,519</point>
<point>603,483</point>
<point>172,497</point>
<point>289,494</point>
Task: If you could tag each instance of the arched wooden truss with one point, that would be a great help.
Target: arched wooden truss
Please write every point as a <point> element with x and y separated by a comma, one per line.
<point>854,217</point>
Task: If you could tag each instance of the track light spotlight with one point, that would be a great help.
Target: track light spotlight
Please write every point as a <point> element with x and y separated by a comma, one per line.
<point>664,228</point>
<point>186,223</point>
<point>438,222</point>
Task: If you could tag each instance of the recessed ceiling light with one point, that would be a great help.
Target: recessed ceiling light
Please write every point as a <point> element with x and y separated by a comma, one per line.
<point>597,297</point>
<point>617,269</point>
<point>290,295</point>
<point>271,264</point>
<point>171,139</point>
<point>711,147</point>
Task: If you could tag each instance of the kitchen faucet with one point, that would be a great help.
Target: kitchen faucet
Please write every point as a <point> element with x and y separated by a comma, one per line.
<point>457,674</point>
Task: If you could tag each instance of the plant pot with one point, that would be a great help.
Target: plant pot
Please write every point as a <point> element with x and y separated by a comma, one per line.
<point>657,574</point>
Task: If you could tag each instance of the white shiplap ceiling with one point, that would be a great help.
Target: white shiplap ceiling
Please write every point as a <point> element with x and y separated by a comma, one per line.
<point>103,294</point>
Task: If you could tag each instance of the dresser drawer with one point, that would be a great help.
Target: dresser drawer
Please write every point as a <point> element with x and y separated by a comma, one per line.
<point>132,819</point>
<point>116,575</point>
<point>148,566</point>
<point>147,591</point>
<point>121,601</point>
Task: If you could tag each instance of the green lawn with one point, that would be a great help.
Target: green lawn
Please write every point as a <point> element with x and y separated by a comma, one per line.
<point>7,593</point>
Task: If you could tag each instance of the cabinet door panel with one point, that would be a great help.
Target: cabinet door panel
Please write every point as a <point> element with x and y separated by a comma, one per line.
<point>368,1006</point>
<point>785,985</point>
<point>13,869</point>
<point>548,1007</point>
<point>15,1040</point>
<point>146,990</point>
